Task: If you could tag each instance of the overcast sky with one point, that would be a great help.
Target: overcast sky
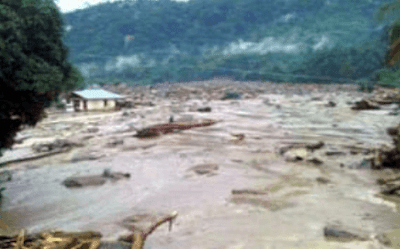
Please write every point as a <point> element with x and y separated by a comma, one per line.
<point>70,5</point>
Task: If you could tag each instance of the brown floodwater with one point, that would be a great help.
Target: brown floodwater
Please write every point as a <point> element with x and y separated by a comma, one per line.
<point>291,215</point>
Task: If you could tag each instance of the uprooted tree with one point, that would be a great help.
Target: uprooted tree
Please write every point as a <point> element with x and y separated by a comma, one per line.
<point>34,63</point>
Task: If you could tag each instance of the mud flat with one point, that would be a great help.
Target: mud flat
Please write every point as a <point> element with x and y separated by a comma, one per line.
<point>275,185</point>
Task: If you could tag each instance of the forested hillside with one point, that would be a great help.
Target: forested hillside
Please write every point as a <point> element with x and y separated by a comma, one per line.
<point>147,41</point>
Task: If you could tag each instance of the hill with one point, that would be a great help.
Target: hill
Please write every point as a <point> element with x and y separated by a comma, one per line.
<point>147,41</point>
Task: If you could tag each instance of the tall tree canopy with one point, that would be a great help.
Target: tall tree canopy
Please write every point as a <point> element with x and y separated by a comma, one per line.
<point>34,63</point>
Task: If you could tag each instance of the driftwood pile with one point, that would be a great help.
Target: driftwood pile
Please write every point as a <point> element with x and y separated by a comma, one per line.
<point>382,96</point>
<point>83,240</point>
<point>389,157</point>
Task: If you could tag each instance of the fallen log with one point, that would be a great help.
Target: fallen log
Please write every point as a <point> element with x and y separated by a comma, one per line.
<point>249,191</point>
<point>157,130</point>
<point>37,156</point>
<point>140,234</point>
<point>390,190</point>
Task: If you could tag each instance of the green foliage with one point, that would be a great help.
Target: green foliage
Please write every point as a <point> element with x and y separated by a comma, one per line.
<point>34,63</point>
<point>365,85</point>
<point>390,77</point>
<point>187,39</point>
<point>60,106</point>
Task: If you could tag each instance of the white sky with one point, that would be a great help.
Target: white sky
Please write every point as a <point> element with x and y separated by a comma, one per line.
<point>70,5</point>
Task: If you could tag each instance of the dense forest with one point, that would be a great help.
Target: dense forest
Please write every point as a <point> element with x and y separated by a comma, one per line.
<point>147,41</point>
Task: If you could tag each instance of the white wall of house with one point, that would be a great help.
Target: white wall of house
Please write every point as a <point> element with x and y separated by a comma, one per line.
<point>98,105</point>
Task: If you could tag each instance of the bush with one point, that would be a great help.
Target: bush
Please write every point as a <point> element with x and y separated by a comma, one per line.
<point>60,106</point>
<point>365,85</point>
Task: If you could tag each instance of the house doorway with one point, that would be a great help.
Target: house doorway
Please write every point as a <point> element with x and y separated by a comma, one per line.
<point>76,105</point>
<point>85,105</point>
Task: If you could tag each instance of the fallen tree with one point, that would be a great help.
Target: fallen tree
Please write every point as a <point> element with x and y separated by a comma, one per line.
<point>81,240</point>
<point>157,130</point>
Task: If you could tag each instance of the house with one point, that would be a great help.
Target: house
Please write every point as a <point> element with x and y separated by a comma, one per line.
<point>94,100</point>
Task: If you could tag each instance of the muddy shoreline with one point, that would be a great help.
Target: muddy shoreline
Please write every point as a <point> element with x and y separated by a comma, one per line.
<point>301,198</point>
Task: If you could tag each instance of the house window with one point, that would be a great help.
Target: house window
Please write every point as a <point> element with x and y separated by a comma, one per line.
<point>105,103</point>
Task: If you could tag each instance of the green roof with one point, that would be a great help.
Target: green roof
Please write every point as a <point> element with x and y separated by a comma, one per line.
<point>97,94</point>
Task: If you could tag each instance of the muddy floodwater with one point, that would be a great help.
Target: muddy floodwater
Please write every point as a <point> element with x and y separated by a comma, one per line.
<point>299,198</point>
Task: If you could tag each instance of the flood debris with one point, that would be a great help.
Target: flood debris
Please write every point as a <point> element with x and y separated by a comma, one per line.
<point>330,104</point>
<point>87,239</point>
<point>157,130</point>
<point>249,192</point>
<point>383,96</point>
<point>86,156</point>
<point>95,180</point>
<point>5,176</point>
<point>308,146</point>
<point>315,146</point>
<point>142,225</point>
<point>114,142</point>
<point>57,145</point>
<point>322,180</point>
<point>383,239</point>
<point>204,109</point>
<point>344,234</point>
<point>365,104</point>
<point>92,129</point>
<point>231,95</point>
<point>335,153</point>
<point>391,189</point>
<point>52,240</point>
<point>389,156</point>
<point>315,160</point>
<point>205,169</point>
<point>296,155</point>
<point>239,137</point>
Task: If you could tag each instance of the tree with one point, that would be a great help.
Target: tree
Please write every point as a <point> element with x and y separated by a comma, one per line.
<point>393,54</point>
<point>34,63</point>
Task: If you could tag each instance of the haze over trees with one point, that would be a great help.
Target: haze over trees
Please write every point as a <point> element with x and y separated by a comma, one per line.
<point>34,63</point>
<point>281,40</point>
